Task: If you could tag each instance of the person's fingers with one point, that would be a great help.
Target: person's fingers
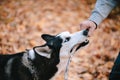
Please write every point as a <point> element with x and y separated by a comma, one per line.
<point>83,26</point>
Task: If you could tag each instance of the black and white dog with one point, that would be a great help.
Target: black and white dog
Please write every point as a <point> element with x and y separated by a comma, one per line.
<point>42,62</point>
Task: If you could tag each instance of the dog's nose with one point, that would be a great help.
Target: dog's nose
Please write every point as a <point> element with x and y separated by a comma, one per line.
<point>85,32</point>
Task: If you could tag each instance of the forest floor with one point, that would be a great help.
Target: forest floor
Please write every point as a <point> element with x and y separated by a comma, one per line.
<point>23,21</point>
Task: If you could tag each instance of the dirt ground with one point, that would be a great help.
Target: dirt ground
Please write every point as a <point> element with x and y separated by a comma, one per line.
<point>23,21</point>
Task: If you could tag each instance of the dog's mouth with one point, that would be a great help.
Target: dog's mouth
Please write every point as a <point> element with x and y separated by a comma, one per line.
<point>78,46</point>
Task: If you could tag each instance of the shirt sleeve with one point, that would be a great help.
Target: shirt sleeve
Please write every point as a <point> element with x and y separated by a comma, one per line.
<point>102,10</point>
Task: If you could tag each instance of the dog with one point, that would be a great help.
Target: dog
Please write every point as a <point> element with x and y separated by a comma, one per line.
<point>42,62</point>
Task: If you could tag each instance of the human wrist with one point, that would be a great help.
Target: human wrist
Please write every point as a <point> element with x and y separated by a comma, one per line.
<point>96,17</point>
<point>94,23</point>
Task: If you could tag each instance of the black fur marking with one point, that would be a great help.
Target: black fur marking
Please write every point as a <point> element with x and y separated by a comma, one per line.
<point>45,67</point>
<point>82,45</point>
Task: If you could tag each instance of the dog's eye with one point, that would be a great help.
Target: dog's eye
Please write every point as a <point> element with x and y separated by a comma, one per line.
<point>67,39</point>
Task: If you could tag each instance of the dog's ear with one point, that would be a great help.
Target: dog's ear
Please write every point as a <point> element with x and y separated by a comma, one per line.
<point>43,51</point>
<point>47,37</point>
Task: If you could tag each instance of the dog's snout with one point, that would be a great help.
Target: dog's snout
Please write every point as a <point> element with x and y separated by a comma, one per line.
<point>85,32</point>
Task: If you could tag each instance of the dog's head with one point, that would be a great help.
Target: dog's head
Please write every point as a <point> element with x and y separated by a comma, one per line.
<point>63,43</point>
<point>73,42</point>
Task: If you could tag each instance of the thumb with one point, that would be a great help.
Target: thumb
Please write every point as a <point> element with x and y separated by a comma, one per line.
<point>82,26</point>
<point>91,30</point>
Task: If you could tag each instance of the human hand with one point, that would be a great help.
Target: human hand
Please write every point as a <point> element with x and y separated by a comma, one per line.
<point>88,25</point>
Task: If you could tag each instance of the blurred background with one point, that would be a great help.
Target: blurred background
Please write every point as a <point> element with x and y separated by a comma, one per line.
<point>23,21</point>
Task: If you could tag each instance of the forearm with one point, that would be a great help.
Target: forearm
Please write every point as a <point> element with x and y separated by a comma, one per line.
<point>102,10</point>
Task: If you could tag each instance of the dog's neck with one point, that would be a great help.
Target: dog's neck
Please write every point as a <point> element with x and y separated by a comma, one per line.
<point>29,58</point>
<point>29,55</point>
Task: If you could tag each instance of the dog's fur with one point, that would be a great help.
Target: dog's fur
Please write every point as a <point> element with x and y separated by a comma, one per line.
<point>42,62</point>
